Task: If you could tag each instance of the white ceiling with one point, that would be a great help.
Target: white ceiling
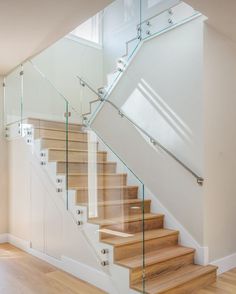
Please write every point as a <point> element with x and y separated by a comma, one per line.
<point>221,14</point>
<point>29,26</point>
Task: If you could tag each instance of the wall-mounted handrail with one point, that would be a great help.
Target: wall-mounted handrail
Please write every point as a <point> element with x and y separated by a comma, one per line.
<point>154,141</point>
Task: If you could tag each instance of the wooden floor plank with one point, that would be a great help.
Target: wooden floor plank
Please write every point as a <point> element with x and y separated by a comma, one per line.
<point>226,284</point>
<point>21,273</point>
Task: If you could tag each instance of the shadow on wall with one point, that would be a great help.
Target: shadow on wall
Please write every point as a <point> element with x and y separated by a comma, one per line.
<point>149,111</point>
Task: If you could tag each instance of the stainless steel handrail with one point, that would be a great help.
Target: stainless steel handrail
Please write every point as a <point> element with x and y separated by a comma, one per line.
<point>199,179</point>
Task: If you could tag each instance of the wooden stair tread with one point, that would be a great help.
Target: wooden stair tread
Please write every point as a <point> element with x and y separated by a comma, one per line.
<point>169,267</point>
<point>59,130</point>
<point>74,161</point>
<point>154,257</point>
<point>98,174</point>
<point>105,188</point>
<point>59,139</point>
<point>75,150</point>
<point>173,279</point>
<point>137,237</point>
<point>85,161</point>
<point>118,202</point>
<point>125,219</point>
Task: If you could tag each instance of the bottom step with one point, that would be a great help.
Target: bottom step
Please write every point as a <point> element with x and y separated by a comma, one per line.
<point>185,280</point>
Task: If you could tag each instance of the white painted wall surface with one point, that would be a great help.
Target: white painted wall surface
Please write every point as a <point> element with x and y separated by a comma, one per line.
<point>67,59</point>
<point>3,169</point>
<point>220,144</point>
<point>19,188</point>
<point>120,20</point>
<point>60,64</point>
<point>162,90</point>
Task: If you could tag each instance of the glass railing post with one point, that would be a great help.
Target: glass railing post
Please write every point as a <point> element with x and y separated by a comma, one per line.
<point>4,102</point>
<point>143,236</point>
<point>67,115</point>
<point>21,98</point>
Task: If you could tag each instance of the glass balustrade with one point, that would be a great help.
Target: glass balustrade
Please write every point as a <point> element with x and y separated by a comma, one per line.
<point>54,105</point>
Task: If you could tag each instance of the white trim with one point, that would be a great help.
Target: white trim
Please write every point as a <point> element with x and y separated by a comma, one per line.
<point>19,243</point>
<point>226,263</point>
<point>73,267</point>
<point>3,238</point>
<point>88,274</point>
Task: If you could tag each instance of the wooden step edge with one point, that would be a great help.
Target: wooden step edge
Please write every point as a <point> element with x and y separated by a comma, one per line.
<point>59,130</point>
<point>98,162</point>
<point>105,188</point>
<point>75,150</point>
<point>193,274</point>
<point>59,139</point>
<point>152,262</point>
<point>72,161</point>
<point>135,241</point>
<point>99,174</point>
<point>115,221</point>
<point>118,202</point>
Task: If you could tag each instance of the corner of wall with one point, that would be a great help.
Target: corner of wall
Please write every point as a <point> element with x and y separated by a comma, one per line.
<point>3,169</point>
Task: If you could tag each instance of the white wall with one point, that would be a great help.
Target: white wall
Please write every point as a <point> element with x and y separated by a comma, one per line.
<point>162,90</point>
<point>220,144</point>
<point>66,60</point>
<point>60,63</point>
<point>3,169</point>
<point>120,20</point>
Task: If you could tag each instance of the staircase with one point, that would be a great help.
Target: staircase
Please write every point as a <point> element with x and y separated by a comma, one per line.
<point>169,267</point>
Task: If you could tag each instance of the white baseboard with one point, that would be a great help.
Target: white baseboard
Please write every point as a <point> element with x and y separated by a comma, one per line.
<point>3,238</point>
<point>226,263</point>
<point>19,243</point>
<point>88,274</point>
<point>73,267</point>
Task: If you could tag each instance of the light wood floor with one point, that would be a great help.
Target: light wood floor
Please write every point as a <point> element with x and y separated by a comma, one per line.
<point>226,284</point>
<point>21,273</point>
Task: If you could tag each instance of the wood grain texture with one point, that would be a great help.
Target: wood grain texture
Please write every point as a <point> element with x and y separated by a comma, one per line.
<point>124,218</point>
<point>226,284</point>
<point>21,273</point>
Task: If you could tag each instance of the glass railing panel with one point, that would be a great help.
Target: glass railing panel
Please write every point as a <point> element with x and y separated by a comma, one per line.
<point>124,27</point>
<point>157,21</point>
<point>106,200</point>
<point>65,60</point>
<point>121,36</point>
<point>13,97</point>
<point>41,99</point>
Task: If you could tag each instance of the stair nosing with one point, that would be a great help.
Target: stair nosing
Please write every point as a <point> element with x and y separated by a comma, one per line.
<point>118,202</point>
<point>99,174</point>
<point>202,269</point>
<point>104,188</point>
<point>191,251</point>
<point>59,139</point>
<point>74,150</point>
<point>127,220</point>
<point>171,233</point>
<point>58,130</point>
<point>98,162</point>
